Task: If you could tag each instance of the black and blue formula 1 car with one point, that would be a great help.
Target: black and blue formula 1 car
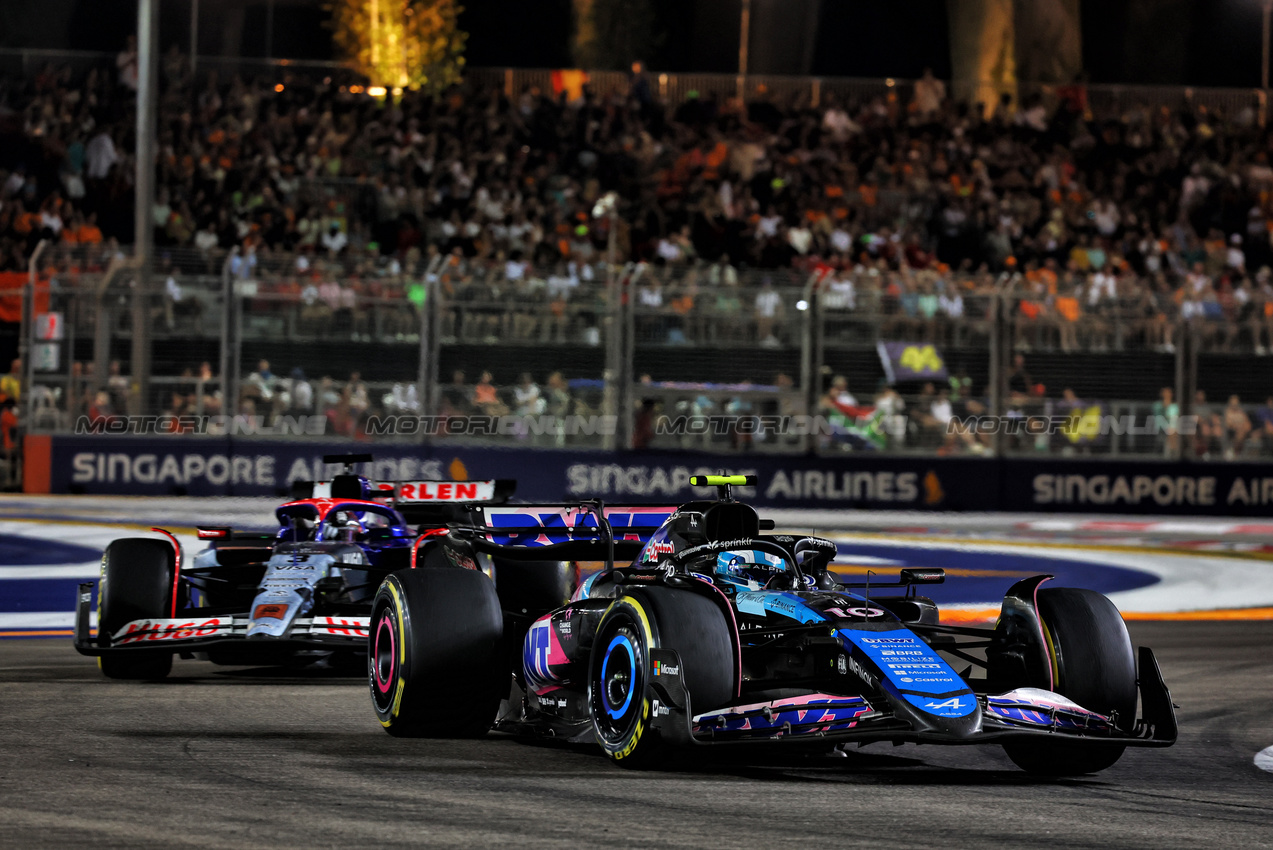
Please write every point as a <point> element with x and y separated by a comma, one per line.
<point>300,594</point>
<point>717,634</point>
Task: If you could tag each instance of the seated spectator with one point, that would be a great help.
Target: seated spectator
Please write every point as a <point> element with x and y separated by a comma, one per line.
<point>261,383</point>
<point>486,399</point>
<point>1237,428</point>
<point>457,398</point>
<point>1263,429</point>
<point>527,397</point>
<point>1167,422</point>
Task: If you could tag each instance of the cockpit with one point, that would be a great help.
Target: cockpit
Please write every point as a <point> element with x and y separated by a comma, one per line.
<point>744,567</point>
<point>349,523</point>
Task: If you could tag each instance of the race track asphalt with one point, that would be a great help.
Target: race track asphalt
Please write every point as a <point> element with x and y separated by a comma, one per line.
<point>260,758</point>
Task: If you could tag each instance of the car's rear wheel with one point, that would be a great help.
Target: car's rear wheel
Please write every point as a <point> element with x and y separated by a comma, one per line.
<point>136,584</point>
<point>621,670</point>
<point>433,656</point>
<point>1093,665</point>
<point>534,588</point>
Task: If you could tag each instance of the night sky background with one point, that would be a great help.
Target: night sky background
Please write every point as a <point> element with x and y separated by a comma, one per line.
<point>1195,42</point>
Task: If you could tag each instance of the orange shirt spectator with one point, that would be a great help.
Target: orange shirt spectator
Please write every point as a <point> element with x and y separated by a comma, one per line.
<point>1068,307</point>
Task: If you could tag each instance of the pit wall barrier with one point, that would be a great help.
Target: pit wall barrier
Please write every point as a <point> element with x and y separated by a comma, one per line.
<point>235,467</point>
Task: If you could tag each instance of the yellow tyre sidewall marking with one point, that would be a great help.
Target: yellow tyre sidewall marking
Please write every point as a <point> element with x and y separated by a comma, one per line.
<point>1051,648</point>
<point>648,637</point>
<point>402,653</point>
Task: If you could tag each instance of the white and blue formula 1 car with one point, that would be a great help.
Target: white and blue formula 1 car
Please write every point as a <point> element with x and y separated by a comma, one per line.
<point>717,634</point>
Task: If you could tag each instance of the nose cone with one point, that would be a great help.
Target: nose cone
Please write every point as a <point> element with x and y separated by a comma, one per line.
<point>958,716</point>
<point>272,615</point>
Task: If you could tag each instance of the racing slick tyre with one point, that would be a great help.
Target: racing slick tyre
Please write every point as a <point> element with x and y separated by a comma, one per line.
<point>137,584</point>
<point>434,656</point>
<point>620,671</point>
<point>534,587</point>
<point>1093,665</point>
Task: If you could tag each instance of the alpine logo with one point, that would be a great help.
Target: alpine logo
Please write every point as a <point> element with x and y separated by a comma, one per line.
<point>953,702</point>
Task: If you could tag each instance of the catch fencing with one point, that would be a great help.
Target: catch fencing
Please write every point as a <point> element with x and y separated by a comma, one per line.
<point>691,356</point>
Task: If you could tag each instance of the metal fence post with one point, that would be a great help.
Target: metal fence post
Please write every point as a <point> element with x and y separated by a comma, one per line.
<point>430,349</point>
<point>811,361</point>
<point>1178,335</point>
<point>627,383</point>
<point>228,365</point>
<point>996,368</point>
<point>1187,380</point>
<point>144,197</point>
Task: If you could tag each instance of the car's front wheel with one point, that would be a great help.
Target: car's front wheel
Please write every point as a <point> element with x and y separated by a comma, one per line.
<point>1093,665</point>
<point>621,671</point>
<point>136,584</point>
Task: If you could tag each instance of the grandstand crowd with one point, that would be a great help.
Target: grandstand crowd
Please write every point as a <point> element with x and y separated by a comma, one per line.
<point>1102,234</point>
<point>1161,214</point>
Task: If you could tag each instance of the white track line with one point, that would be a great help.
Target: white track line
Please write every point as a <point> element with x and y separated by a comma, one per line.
<point>1187,581</point>
<point>1264,759</point>
<point>34,620</point>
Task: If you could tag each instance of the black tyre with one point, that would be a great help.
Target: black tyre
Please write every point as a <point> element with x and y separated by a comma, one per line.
<point>434,655</point>
<point>136,584</point>
<point>534,588</point>
<point>620,669</point>
<point>1093,665</point>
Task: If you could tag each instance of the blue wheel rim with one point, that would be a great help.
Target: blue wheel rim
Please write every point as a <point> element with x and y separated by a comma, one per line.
<point>618,641</point>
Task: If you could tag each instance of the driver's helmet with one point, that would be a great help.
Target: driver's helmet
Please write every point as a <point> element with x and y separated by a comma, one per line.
<point>748,569</point>
<point>344,525</point>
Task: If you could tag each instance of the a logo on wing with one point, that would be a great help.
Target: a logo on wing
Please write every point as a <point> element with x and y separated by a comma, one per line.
<point>273,612</point>
<point>953,702</point>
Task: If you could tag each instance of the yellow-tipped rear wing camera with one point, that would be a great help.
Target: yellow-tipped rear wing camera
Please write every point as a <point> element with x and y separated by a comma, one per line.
<point>724,480</point>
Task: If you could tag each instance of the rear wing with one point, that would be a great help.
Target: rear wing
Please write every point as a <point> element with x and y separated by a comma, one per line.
<point>420,495</point>
<point>493,491</point>
<point>537,526</point>
<point>562,533</point>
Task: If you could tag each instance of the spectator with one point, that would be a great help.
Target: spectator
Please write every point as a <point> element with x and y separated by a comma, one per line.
<point>359,399</point>
<point>486,399</point>
<point>302,394</point>
<point>126,64</point>
<point>527,397</point>
<point>769,311</point>
<point>1237,428</point>
<point>929,94</point>
<point>1264,425</point>
<point>260,384</point>
<point>334,240</point>
<point>557,398</point>
<point>457,398</point>
<point>11,382</point>
<point>1209,436</point>
<point>1167,420</point>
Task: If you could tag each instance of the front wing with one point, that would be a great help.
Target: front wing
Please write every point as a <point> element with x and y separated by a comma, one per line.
<point>823,718</point>
<point>196,633</point>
